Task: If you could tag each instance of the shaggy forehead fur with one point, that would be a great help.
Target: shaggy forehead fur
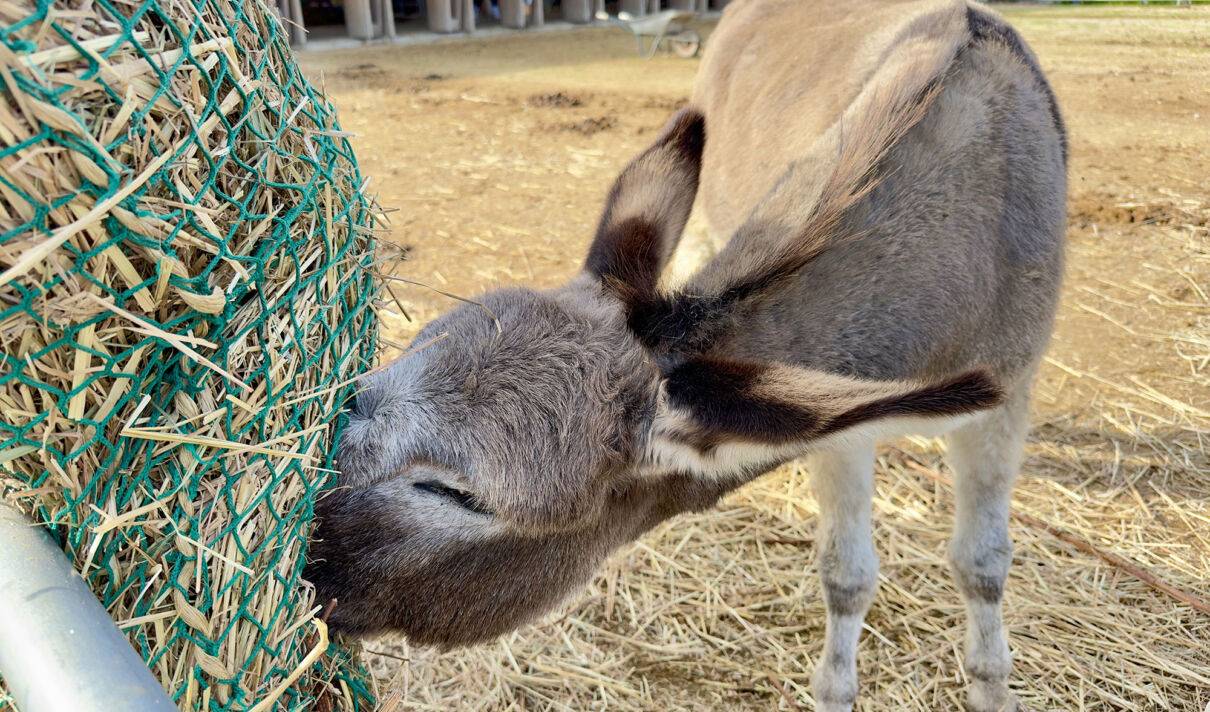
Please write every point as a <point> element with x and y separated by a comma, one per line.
<point>555,375</point>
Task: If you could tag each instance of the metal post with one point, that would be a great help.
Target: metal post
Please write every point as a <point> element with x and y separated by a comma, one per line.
<point>388,19</point>
<point>59,650</point>
<point>443,16</point>
<point>359,19</point>
<point>468,16</point>
<point>512,14</point>
<point>298,28</point>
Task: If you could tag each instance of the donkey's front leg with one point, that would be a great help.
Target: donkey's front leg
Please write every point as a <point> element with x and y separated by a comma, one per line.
<point>985,456</point>
<point>843,482</point>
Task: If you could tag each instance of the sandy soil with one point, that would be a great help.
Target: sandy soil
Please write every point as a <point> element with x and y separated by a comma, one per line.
<point>495,157</point>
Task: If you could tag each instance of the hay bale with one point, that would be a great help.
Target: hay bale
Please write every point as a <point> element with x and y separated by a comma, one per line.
<point>185,303</point>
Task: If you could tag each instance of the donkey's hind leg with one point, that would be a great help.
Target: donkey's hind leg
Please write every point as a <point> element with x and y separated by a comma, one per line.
<point>986,455</point>
<point>843,482</point>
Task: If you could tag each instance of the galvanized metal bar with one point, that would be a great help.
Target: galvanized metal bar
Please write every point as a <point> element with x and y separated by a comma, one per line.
<point>59,650</point>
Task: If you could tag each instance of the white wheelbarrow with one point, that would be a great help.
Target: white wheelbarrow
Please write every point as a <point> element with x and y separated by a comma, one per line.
<point>666,27</point>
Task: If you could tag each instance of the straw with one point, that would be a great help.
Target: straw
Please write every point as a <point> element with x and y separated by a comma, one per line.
<point>185,305</point>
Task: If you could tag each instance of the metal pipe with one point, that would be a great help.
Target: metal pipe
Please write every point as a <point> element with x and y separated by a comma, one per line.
<point>388,19</point>
<point>359,19</point>
<point>468,16</point>
<point>59,650</point>
<point>298,28</point>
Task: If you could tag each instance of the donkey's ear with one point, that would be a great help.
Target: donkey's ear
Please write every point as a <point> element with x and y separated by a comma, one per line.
<point>710,402</point>
<point>648,206</point>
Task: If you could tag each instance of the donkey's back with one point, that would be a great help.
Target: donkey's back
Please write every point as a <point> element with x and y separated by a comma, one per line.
<point>957,254</point>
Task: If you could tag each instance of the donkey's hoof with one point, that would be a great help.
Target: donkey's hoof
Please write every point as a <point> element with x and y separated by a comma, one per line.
<point>991,698</point>
<point>835,689</point>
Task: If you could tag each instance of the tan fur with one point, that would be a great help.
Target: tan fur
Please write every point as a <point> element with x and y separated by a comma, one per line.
<point>829,394</point>
<point>857,69</point>
<point>866,86</point>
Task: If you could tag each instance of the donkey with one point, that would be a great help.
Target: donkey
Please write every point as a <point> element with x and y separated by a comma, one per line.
<point>891,180</point>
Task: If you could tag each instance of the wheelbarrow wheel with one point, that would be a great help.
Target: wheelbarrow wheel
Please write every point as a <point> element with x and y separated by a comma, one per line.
<point>686,44</point>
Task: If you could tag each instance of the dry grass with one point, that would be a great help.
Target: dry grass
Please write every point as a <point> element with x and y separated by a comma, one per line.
<point>161,304</point>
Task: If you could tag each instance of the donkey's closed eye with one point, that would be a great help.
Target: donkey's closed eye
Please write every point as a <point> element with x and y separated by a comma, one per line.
<point>463,499</point>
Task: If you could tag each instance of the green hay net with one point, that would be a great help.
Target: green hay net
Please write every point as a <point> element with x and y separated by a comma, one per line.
<point>185,303</point>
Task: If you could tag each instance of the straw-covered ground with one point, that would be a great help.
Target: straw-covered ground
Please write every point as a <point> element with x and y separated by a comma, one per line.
<point>497,154</point>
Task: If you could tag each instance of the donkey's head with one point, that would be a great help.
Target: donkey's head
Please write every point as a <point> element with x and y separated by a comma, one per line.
<point>486,474</point>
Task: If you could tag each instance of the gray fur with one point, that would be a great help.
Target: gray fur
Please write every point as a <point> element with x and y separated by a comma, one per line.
<point>971,275</point>
<point>578,418</point>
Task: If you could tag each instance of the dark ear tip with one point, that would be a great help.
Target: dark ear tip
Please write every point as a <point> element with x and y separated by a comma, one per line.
<point>687,131</point>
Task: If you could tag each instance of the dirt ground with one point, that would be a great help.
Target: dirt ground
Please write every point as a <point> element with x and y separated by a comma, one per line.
<point>495,156</point>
